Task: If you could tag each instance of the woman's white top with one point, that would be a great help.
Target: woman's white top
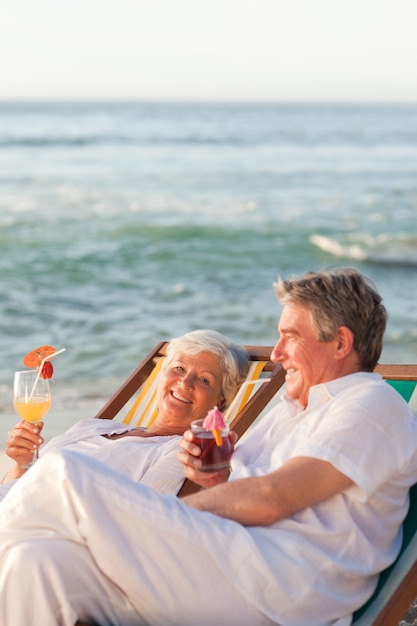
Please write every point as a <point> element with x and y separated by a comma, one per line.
<point>150,460</point>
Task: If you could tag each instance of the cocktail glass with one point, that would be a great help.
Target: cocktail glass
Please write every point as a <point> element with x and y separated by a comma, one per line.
<point>31,397</point>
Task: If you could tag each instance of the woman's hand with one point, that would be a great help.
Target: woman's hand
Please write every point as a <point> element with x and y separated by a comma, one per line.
<point>189,457</point>
<point>22,441</point>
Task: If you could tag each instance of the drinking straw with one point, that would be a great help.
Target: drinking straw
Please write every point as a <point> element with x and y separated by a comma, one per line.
<point>217,437</point>
<point>47,358</point>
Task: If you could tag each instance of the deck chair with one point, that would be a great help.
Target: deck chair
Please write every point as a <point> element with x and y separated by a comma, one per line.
<point>137,394</point>
<point>397,585</point>
<point>264,379</point>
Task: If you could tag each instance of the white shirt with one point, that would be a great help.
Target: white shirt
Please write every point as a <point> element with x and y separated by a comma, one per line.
<point>324,557</point>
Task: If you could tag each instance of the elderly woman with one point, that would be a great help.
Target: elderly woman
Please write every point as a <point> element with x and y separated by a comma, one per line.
<point>202,369</point>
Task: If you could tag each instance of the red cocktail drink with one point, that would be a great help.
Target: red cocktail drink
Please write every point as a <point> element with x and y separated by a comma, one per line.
<point>215,457</point>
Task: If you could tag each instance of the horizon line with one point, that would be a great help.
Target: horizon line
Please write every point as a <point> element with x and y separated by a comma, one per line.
<point>214,101</point>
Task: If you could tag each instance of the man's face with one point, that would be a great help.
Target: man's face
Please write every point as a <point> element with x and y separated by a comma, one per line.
<point>307,361</point>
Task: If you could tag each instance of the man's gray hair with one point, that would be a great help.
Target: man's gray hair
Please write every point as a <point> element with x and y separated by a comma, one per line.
<point>343,297</point>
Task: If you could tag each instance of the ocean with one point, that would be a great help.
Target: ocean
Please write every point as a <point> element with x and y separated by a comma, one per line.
<point>122,224</point>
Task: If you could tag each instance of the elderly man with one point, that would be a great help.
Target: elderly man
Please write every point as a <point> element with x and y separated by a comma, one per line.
<point>296,535</point>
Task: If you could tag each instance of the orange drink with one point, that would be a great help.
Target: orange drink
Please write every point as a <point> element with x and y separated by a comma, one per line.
<point>34,410</point>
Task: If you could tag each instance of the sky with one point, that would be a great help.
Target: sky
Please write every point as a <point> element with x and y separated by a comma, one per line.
<point>209,50</point>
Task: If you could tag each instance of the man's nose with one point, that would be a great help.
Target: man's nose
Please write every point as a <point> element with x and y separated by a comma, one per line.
<point>277,354</point>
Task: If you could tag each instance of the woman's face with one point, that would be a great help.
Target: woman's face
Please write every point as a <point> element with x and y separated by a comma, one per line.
<point>190,386</point>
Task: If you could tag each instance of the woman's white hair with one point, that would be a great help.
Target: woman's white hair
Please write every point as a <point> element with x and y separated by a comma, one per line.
<point>233,359</point>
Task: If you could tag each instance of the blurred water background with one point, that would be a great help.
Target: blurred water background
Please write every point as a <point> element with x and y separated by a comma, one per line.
<point>122,224</point>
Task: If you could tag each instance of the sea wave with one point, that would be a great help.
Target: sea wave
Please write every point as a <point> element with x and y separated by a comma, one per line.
<point>395,251</point>
<point>46,142</point>
<point>34,125</point>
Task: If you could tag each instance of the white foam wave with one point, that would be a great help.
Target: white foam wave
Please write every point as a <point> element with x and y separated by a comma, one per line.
<point>400,250</point>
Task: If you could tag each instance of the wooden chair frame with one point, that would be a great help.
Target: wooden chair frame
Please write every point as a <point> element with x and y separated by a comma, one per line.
<point>247,415</point>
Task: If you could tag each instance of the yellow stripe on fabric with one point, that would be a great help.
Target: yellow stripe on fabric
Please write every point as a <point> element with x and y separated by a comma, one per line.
<point>245,390</point>
<point>152,417</point>
<point>145,397</point>
<point>249,388</point>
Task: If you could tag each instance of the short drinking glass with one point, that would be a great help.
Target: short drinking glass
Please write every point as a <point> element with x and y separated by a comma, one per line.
<point>215,457</point>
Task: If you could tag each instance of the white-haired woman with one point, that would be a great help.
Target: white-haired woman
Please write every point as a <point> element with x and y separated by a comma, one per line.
<point>202,369</point>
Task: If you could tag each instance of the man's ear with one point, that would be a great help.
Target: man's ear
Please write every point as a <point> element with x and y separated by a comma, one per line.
<point>344,342</point>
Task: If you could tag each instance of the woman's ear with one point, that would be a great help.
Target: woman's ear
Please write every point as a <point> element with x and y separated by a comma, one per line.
<point>221,404</point>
